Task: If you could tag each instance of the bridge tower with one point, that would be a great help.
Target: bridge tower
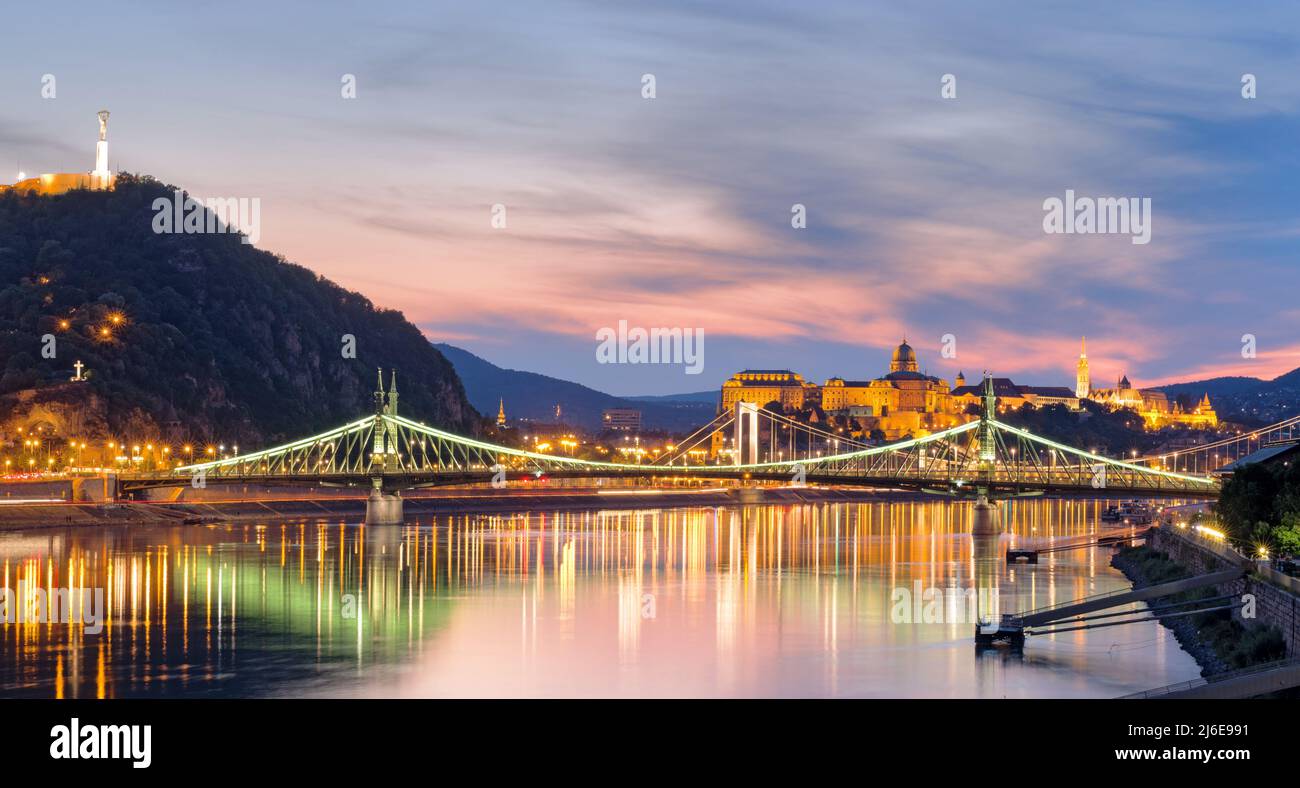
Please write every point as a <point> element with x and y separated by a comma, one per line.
<point>988,441</point>
<point>384,506</point>
<point>746,432</point>
<point>378,396</point>
<point>392,396</point>
<point>384,453</point>
<point>986,519</point>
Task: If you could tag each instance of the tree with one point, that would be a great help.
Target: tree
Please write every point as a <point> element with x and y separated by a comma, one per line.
<point>1287,535</point>
<point>1246,499</point>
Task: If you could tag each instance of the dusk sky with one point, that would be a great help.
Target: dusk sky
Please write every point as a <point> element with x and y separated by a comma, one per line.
<point>924,214</point>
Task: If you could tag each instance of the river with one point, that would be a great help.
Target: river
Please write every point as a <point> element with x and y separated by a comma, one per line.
<point>829,600</point>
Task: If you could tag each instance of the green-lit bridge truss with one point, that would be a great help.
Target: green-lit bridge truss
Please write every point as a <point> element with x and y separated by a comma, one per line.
<point>389,453</point>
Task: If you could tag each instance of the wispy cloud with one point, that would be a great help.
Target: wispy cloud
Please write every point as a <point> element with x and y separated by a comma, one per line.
<point>924,215</point>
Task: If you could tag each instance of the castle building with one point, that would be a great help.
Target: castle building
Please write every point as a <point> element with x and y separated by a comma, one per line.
<point>905,401</point>
<point>761,386</point>
<point>98,179</point>
<point>1011,395</point>
<point>1154,406</point>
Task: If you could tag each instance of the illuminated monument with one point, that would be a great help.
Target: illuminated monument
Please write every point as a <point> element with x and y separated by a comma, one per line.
<point>99,179</point>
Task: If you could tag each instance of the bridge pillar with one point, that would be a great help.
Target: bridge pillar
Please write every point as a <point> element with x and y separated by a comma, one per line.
<point>746,433</point>
<point>383,508</point>
<point>987,519</point>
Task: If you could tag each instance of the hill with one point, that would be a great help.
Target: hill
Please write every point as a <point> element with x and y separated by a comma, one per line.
<point>532,396</point>
<point>190,337</point>
<point>1215,387</point>
<point>1247,400</point>
<point>710,397</point>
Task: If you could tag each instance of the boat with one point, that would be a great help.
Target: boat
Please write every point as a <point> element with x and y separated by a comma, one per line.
<point>1129,513</point>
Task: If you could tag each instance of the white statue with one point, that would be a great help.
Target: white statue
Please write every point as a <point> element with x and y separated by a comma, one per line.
<point>101,176</point>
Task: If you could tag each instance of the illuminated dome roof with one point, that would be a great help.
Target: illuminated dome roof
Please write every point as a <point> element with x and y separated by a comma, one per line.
<point>904,359</point>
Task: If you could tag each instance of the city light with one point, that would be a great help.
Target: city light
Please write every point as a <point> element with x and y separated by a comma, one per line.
<point>1212,533</point>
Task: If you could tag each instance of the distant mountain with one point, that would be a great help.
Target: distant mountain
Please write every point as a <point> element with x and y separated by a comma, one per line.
<point>187,336</point>
<point>1215,387</point>
<point>532,396</point>
<point>1249,400</point>
<point>710,397</point>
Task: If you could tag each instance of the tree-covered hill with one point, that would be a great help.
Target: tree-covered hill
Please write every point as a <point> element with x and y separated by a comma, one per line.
<point>192,333</point>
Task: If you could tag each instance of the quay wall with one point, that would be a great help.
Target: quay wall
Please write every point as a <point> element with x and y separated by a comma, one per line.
<point>1277,596</point>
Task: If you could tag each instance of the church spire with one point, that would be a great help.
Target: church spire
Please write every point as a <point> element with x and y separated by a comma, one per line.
<point>501,412</point>
<point>1082,380</point>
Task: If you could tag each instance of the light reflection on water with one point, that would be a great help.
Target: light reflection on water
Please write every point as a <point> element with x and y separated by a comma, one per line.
<point>748,601</point>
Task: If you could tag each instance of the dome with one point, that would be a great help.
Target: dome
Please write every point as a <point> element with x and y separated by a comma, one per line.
<point>904,359</point>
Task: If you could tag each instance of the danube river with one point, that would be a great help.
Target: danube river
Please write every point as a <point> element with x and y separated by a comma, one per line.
<point>833,600</point>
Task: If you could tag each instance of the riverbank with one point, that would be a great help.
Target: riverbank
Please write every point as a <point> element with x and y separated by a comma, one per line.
<point>1217,641</point>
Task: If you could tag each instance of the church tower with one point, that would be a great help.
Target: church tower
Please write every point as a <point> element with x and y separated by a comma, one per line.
<point>1081,382</point>
<point>501,412</point>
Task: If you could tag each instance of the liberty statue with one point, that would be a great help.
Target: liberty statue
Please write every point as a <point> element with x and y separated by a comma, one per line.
<point>101,178</point>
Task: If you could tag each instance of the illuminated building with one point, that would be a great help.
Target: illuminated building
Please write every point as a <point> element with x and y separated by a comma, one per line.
<point>621,419</point>
<point>907,402</point>
<point>99,179</point>
<point>1154,406</point>
<point>762,386</point>
<point>903,402</point>
<point>1011,395</point>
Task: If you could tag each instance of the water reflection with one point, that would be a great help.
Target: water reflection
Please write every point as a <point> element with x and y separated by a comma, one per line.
<point>758,600</point>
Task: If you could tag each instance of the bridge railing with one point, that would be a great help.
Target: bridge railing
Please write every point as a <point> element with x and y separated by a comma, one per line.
<point>1071,603</point>
<point>1169,689</point>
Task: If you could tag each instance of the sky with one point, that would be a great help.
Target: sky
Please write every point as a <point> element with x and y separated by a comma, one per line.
<point>924,214</point>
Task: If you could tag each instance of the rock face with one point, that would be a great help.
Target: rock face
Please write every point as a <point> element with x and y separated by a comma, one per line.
<point>188,337</point>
